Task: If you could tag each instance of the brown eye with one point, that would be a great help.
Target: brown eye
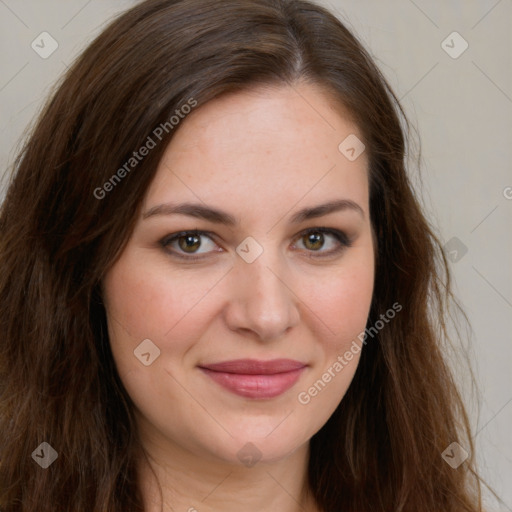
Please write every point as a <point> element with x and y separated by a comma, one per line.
<point>313,241</point>
<point>324,241</point>
<point>189,243</point>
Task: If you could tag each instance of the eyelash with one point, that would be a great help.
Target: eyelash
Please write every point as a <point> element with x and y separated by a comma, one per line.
<point>340,236</point>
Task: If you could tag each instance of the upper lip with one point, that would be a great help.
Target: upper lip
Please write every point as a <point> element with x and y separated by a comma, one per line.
<point>255,366</point>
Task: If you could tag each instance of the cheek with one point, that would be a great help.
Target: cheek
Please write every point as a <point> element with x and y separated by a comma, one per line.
<point>342,303</point>
<point>148,302</point>
<point>341,300</point>
<point>148,299</point>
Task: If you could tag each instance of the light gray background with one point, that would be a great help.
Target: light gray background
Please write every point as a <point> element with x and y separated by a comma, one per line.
<point>462,108</point>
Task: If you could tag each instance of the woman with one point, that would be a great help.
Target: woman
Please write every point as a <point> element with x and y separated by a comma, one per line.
<point>217,286</point>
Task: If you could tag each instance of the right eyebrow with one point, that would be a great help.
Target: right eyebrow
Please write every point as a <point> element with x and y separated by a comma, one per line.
<point>193,210</point>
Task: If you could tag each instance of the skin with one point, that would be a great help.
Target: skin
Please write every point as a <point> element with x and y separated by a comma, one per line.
<point>260,155</point>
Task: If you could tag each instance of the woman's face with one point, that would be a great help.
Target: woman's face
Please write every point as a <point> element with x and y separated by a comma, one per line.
<point>277,285</point>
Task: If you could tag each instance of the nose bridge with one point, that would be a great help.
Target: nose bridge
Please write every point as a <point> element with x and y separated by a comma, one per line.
<point>261,298</point>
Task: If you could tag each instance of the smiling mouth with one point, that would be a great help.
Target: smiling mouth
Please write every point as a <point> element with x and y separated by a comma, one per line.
<point>255,379</point>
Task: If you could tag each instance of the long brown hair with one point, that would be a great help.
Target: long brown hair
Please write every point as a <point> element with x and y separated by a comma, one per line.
<point>381,449</point>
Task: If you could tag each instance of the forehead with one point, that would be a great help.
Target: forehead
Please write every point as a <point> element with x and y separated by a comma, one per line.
<point>262,148</point>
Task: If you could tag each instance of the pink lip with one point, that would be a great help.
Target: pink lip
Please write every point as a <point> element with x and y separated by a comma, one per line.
<point>251,378</point>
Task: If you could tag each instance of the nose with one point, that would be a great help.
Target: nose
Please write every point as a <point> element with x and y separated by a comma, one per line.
<point>261,300</point>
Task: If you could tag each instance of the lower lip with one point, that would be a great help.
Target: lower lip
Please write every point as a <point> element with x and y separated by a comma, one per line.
<point>256,386</point>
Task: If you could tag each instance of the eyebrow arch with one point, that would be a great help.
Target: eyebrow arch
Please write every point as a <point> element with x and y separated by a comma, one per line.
<point>326,208</point>
<point>220,217</point>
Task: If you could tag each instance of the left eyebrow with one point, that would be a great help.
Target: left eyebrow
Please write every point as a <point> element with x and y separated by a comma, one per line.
<point>326,208</point>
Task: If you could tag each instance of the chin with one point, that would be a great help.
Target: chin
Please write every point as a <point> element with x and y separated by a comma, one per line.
<point>252,445</point>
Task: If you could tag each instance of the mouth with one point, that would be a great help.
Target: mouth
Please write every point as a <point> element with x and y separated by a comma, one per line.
<point>255,379</point>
